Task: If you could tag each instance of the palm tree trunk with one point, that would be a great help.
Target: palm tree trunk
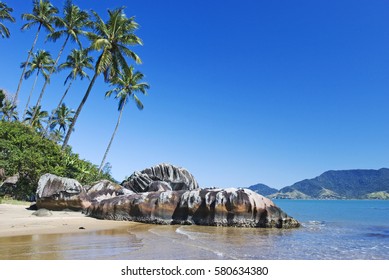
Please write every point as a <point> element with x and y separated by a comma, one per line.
<point>113,135</point>
<point>65,142</point>
<point>50,73</point>
<point>29,97</point>
<point>25,66</point>
<point>59,105</point>
<point>64,95</point>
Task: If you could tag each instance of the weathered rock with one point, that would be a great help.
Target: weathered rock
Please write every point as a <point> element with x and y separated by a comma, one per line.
<point>42,213</point>
<point>104,189</point>
<point>161,177</point>
<point>8,187</point>
<point>215,207</point>
<point>58,193</point>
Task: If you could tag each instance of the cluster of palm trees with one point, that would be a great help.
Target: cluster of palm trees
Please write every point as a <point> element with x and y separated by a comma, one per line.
<point>112,40</point>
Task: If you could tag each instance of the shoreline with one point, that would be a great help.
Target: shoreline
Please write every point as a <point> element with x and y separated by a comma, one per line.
<point>17,220</point>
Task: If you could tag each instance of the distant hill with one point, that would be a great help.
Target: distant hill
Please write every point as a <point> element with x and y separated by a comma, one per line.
<point>263,189</point>
<point>343,184</point>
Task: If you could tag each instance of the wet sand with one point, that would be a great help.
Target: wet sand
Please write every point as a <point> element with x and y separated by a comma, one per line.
<point>16,220</point>
<point>324,235</point>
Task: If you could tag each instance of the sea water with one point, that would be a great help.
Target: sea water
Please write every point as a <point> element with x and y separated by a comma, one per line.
<point>331,229</point>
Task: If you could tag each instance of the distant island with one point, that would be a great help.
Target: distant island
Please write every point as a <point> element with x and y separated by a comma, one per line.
<point>341,184</point>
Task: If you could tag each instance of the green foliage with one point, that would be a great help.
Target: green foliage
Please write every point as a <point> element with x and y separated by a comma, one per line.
<point>7,111</point>
<point>24,152</point>
<point>29,150</point>
<point>2,97</point>
<point>5,14</point>
<point>7,200</point>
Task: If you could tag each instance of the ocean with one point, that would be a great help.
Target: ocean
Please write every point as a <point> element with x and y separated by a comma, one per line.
<point>331,230</point>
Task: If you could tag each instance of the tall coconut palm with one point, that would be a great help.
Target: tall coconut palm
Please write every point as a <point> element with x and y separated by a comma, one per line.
<point>112,38</point>
<point>36,120</point>
<point>56,136</point>
<point>127,85</point>
<point>42,15</point>
<point>8,111</point>
<point>43,63</point>
<point>77,60</point>
<point>62,118</point>
<point>72,24</point>
<point>5,14</point>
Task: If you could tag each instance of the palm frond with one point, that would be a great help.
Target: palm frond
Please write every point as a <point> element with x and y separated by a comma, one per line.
<point>28,25</point>
<point>55,35</point>
<point>138,103</point>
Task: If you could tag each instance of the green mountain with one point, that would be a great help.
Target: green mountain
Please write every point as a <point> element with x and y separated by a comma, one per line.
<point>263,189</point>
<point>343,184</point>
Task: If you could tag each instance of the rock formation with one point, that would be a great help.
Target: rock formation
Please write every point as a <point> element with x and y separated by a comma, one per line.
<point>9,185</point>
<point>58,193</point>
<point>104,189</point>
<point>216,207</point>
<point>161,177</point>
<point>163,194</point>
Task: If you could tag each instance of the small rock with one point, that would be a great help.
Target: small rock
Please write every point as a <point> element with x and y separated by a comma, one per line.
<point>42,213</point>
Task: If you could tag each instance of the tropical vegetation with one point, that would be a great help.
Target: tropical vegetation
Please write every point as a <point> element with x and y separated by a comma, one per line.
<point>43,16</point>
<point>5,15</point>
<point>127,84</point>
<point>112,38</point>
<point>43,64</point>
<point>25,153</point>
<point>37,141</point>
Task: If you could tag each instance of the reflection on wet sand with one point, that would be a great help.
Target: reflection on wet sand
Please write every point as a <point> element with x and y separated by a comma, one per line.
<point>141,241</point>
<point>106,244</point>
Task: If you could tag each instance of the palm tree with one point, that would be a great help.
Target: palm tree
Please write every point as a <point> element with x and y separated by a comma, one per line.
<point>8,111</point>
<point>76,61</point>
<point>42,15</point>
<point>43,63</point>
<point>73,21</point>
<point>63,117</point>
<point>113,38</point>
<point>5,15</point>
<point>127,85</point>
<point>56,136</point>
<point>36,120</point>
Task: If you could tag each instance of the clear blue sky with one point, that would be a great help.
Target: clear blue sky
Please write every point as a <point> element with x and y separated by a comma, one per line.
<point>242,92</point>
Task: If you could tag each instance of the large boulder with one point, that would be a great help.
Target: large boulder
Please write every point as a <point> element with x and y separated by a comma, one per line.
<point>104,189</point>
<point>215,207</point>
<point>59,193</point>
<point>161,177</point>
<point>9,186</point>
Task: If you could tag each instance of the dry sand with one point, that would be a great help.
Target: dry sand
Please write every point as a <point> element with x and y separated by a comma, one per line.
<point>16,220</point>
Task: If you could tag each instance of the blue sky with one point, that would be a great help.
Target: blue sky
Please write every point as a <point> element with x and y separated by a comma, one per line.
<point>241,92</point>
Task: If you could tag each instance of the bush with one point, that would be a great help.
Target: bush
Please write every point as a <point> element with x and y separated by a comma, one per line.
<point>24,152</point>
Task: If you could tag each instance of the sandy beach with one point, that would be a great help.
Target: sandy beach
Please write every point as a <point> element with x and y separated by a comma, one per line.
<point>17,220</point>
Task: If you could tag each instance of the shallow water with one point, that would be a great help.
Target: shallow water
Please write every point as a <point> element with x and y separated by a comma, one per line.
<point>330,230</point>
